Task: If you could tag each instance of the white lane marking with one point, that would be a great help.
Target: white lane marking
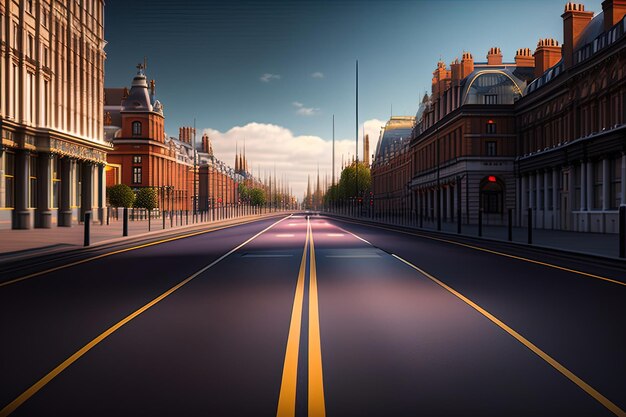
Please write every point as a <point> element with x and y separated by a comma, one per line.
<point>285,235</point>
<point>335,234</point>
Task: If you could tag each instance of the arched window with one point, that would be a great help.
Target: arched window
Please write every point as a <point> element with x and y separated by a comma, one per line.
<point>492,195</point>
<point>136,128</point>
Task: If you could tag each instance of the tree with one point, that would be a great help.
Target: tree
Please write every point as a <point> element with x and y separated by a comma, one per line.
<point>346,188</point>
<point>257,197</point>
<point>244,192</point>
<point>120,195</point>
<point>146,198</point>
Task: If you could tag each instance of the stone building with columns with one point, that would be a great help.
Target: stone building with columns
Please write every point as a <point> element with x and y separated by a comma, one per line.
<point>52,150</point>
<point>572,126</point>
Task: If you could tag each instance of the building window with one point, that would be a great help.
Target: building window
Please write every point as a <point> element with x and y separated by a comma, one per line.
<point>491,99</point>
<point>30,51</point>
<point>136,159</point>
<point>491,148</point>
<point>29,6</point>
<point>136,175</point>
<point>46,57</point>
<point>9,172</point>
<point>136,128</point>
<point>16,32</point>
<point>491,127</point>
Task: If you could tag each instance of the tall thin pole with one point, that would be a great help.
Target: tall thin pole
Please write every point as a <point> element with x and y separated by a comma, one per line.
<point>195,168</point>
<point>357,131</point>
<point>333,149</point>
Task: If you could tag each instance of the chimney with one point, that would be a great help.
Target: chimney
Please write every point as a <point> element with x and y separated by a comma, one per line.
<point>467,64</point>
<point>494,56</point>
<point>455,69</point>
<point>547,55</point>
<point>524,58</point>
<point>575,20</point>
<point>614,11</point>
<point>205,144</point>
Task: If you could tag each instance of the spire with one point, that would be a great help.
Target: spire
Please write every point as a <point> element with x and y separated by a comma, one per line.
<point>236,158</point>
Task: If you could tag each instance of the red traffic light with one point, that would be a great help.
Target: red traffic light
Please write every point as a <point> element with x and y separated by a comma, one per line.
<point>492,178</point>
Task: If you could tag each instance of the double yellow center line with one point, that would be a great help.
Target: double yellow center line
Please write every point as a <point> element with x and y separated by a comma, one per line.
<point>289,382</point>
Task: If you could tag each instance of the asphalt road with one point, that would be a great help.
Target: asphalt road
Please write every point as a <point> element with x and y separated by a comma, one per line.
<point>315,316</point>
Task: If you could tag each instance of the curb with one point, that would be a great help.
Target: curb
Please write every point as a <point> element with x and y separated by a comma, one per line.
<point>613,260</point>
<point>33,253</point>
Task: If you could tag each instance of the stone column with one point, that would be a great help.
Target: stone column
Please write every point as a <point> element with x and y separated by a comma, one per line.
<point>101,191</point>
<point>2,170</point>
<point>606,182</point>
<point>449,214</point>
<point>523,197</point>
<point>589,186</point>
<point>546,198</point>
<point>86,201</point>
<point>538,205</point>
<point>531,191</point>
<point>583,186</point>
<point>555,197</point>
<point>623,182</point>
<point>43,215</point>
<point>21,214</point>
<point>65,208</point>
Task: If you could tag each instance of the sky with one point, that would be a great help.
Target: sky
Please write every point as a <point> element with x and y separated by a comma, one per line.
<point>273,73</point>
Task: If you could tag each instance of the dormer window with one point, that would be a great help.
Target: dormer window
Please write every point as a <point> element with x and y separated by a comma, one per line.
<point>136,128</point>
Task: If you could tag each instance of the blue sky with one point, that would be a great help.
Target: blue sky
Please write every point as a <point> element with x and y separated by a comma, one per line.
<point>209,58</point>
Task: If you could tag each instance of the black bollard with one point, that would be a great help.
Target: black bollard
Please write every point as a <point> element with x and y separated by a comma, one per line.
<point>510,225</point>
<point>87,227</point>
<point>125,224</point>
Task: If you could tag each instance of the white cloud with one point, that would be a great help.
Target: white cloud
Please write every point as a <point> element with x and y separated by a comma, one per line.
<point>269,145</point>
<point>317,74</point>
<point>267,77</point>
<point>304,111</point>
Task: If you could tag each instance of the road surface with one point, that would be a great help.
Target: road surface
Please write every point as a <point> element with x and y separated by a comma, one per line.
<point>299,315</point>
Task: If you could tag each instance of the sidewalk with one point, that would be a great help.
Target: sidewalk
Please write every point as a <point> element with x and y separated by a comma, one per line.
<point>16,244</point>
<point>599,244</point>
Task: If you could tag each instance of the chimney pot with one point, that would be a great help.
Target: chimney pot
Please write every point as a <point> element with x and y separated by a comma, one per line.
<point>575,20</point>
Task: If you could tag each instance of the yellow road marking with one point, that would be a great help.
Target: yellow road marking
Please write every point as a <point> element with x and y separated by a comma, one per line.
<point>13,405</point>
<point>553,362</point>
<point>104,255</point>
<point>317,407</point>
<point>520,258</point>
<point>287,396</point>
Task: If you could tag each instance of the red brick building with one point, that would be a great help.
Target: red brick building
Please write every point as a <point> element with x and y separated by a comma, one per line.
<point>463,142</point>
<point>547,132</point>
<point>143,155</point>
<point>572,126</point>
<point>392,167</point>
